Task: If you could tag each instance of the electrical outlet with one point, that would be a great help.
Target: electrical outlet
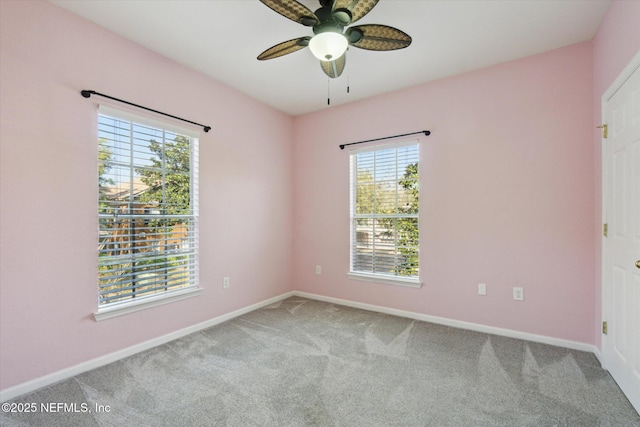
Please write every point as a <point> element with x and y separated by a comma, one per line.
<point>518,294</point>
<point>482,289</point>
<point>226,282</point>
<point>318,270</point>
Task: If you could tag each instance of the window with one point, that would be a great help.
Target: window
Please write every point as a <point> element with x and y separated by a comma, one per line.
<point>147,212</point>
<point>384,214</point>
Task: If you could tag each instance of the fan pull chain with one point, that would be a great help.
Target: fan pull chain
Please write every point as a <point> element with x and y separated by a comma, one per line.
<point>328,91</point>
<point>348,72</point>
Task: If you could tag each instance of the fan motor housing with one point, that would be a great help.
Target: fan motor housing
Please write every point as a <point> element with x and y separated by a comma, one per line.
<point>334,21</point>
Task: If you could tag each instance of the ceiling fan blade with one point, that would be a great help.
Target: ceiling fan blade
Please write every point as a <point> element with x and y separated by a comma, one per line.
<point>284,48</point>
<point>333,69</point>
<point>358,8</point>
<point>293,10</point>
<point>377,37</point>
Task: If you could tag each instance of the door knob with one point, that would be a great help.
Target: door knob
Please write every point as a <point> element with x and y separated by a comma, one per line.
<point>638,263</point>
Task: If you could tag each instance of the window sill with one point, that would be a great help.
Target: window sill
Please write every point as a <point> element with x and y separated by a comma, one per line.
<point>387,280</point>
<point>120,309</point>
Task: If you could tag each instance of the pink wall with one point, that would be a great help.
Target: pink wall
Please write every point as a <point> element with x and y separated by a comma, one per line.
<point>507,195</point>
<point>616,42</point>
<point>48,190</point>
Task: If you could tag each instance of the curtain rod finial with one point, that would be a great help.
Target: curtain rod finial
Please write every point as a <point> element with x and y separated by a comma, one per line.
<point>86,93</point>
<point>427,132</point>
<point>207,128</point>
<point>341,146</point>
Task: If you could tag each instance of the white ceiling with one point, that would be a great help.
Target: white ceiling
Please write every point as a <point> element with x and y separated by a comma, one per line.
<point>222,38</point>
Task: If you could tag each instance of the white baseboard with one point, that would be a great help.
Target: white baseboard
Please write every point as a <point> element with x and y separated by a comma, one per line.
<point>72,371</point>
<point>574,345</point>
<point>598,355</point>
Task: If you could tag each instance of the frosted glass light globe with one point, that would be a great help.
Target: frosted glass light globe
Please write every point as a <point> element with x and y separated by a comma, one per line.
<point>328,46</point>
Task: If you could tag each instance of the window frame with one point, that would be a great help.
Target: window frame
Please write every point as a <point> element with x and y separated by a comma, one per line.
<point>377,277</point>
<point>119,308</point>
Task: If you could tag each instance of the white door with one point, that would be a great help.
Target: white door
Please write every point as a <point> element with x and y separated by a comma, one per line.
<point>621,249</point>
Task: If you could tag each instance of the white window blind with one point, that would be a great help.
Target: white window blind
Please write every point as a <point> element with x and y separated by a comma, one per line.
<point>384,211</point>
<point>147,208</point>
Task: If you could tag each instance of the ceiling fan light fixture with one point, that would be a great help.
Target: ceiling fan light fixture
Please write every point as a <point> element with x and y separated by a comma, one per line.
<point>328,46</point>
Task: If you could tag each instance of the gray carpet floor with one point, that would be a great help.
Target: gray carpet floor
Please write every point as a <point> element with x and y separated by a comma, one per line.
<point>301,362</point>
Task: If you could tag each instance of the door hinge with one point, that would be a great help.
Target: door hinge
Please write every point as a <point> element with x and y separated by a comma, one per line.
<point>604,328</point>
<point>605,229</point>
<point>605,130</point>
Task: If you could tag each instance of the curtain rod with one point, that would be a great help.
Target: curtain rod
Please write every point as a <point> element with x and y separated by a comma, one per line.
<point>426,132</point>
<point>88,93</point>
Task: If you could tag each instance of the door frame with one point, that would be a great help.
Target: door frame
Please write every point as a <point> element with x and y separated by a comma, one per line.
<point>624,75</point>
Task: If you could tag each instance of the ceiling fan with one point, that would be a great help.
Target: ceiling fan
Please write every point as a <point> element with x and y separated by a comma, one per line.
<point>331,40</point>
